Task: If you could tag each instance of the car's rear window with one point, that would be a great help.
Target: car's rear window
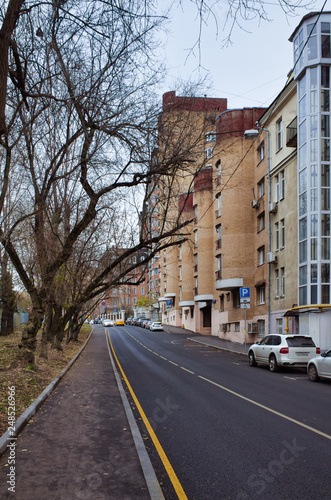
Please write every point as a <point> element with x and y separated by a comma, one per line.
<point>300,341</point>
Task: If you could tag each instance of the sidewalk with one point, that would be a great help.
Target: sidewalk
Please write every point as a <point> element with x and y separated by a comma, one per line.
<point>80,444</point>
<point>210,340</point>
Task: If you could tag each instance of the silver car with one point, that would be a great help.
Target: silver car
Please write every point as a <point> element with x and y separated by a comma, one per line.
<point>320,367</point>
<point>283,350</point>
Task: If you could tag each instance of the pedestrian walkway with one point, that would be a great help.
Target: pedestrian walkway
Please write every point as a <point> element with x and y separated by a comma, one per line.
<point>211,340</point>
<point>81,443</point>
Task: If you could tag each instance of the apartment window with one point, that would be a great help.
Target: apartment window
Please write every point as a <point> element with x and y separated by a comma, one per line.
<point>196,214</point>
<point>219,205</point>
<point>165,286</point>
<point>282,233</point>
<point>219,236</point>
<point>261,221</point>
<point>222,302</point>
<point>219,267</point>
<point>276,185</point>
<point>277,283</point>
<point>142,291</point>
<point>196,238</point>
<point>261,255</point>
<point>282,185</point>
<point>196,260</point>
<point>279,136</point>
<point>196,286</point>
<point>180,252</point>
<point>180,293</point>
<point>211,137</point>
<point>134,291</point>
<point>180,273</point>
<point>261,187</point>
<point>134,301</point>
<point>325,40</point>
<point>260,292</point>
<point>208,153</point>
<point>282,281</point>
<point>260,151</point>
<point>236,298</point>
<point>277,236</point>
<point>237,326</point>
<point>156,270</point>
<point>279,326</point>
<point>261,327</point>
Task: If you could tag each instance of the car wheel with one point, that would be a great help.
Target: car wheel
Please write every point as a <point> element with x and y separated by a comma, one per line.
<point>251,359</point>
<point>312,373</point>
<point>273,363</point>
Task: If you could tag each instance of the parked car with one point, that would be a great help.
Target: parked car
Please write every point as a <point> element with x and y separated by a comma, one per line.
<point>144,323</point>
<point>140,321</point>
<point>107,322</point>
<point>119,322</point>
<point>156,325</point>
<point>128,321</point>
<point>283,350</point>
<point>320,367</point>
<point>148,324</point>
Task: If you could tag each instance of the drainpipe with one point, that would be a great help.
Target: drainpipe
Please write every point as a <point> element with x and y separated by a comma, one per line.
<point>269,219</point>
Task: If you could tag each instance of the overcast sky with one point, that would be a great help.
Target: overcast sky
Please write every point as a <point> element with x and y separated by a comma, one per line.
<point>251,71</point>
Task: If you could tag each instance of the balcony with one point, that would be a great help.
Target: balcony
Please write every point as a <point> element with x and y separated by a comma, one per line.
<point>291,134</point>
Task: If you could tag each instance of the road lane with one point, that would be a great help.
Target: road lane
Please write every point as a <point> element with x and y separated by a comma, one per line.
<point>220,445</point>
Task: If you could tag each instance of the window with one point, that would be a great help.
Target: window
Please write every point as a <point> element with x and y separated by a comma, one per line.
<point>196,238</point>
<point>261,255</point>
<point>282,185</point>
<point>196,260</point>
<point>142,291</point>
<point>219,205</point>
<point>282,281</point>
<point>282,233</point>
<point>156,271</point>
<point>165,286</point>
<point>195,214</point>
<point>219,169</point>
<point>209,153</point>
<point>325,39</point>
<point>279,325</point>
<point>276,186</point>
<point>222,302</point>
<point>219,267</point>
<point>277,236</point>
<point>219,236</point>
<point>180,293</point>
<point>134,291</point>
<point>236,298</point>
<point>261,187</point>
<point>180,273</point>
<point>279,136</point>
<point>134,301</point>
<point>261,327</point>
<point>196,286</point>
<point>260,151</point>
<point>237,326</point>
<point>277,283</point>
<point>261,221</point>
<point>180,252</point>
<point>211,137</point>
<point>260,292</point>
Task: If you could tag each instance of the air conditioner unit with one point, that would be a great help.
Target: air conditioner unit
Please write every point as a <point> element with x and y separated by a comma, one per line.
<point>223,327</point>
<point>273,207</point>
<point>255,204</point>
<point>271,258</point>
<point>253,328</point>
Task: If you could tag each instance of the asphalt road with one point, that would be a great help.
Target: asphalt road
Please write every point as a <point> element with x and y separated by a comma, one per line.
<point>230,431</point>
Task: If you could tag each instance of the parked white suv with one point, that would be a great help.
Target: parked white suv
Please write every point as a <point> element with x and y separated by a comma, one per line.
<point>283,350</point>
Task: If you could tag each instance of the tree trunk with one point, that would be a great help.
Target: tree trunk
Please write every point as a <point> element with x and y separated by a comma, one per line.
<point>8,301</point>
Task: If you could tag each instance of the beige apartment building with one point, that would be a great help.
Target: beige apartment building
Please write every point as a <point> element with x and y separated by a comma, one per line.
<point>280,133</point>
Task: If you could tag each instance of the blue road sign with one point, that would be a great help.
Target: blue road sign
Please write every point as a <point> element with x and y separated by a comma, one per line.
<point>245,292</point>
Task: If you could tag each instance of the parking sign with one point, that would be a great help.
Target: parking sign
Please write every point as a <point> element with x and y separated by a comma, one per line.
<point>245,292</point>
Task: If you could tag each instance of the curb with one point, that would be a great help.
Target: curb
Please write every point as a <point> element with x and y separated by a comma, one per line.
<point>32,409</point>
<point>153,485</point>
<point>218,347</point>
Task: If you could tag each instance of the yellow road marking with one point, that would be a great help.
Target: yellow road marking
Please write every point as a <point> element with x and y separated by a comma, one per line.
<point>308,427</point>
<point>171,473</point>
